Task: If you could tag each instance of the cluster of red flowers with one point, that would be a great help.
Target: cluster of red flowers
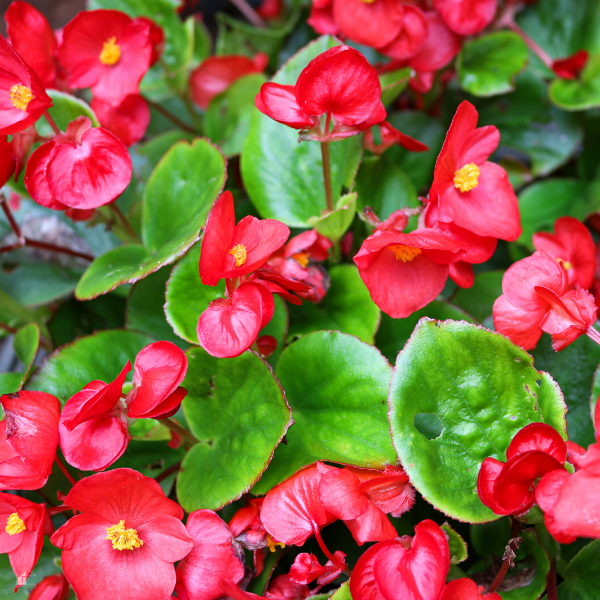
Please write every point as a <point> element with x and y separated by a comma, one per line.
<point>548,291</point>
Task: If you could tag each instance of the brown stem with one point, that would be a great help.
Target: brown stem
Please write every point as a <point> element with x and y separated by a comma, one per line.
<point>327,174</point>
<point>509,555</point>
<point>52,124</point>
<point>249,13</point>
<point>551,581</point>
<point>65,471</point>
<point>125,222</point>
<point>8,328</point>
<point>55,248</point>
<point>169,115</point>
<point>13,224</point>
<point>172,469</point>
<point>185,434</point>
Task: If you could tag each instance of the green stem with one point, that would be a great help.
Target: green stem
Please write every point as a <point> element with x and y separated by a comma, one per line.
<point>185,434</point>
<point>327,174</point>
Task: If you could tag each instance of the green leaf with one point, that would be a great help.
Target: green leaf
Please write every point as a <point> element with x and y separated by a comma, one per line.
<point>177,199</point>
<point>284,178</point>
<point>483,389</point>
<point>153,150</point>
<point>384,187</point>
<point>66,108</point>
<point>479,299</point>
<point>227,119</point>
<point>145,310</point>
<point>458,547</point>
<point>334,224</point>
<point>582,577</point>
<point>394,333</point>
<point>545,201</point>
<point>343,592</point>
<point>347,307</point>
<point>581,93</point>
<point>26,344</point>
<point>336,386</point>
<point>15,315</point>
<point>393,84</point>
<point>488,65</point>
<point>573,369</point>
<point>100,356</point>
<point>238,411</point>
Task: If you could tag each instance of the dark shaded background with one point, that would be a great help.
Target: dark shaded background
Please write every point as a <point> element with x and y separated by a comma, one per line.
<point>58,12</point>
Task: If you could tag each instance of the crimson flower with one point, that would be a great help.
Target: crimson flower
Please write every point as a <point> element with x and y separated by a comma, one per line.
<point>362,498</point>
<point>53,587</point>
<point>217,73</point>
<point>571,245</point>
<point>270,9</point>
<point>405,272</point>
<point>389,137</point>
<point>128,121</point>
<point>306,568</point>
<point>215,556</point>
<point>21,534</point>
<point>23,97</point>
<point>158,370</point>
<point>339,83</point>
<point>28,439</point>
<point>283,588</point>
<point>411,568</point>
<point>124,541</point>
<point>466,17</point>
<point>571,66</point>
<point>466,589</point>
<point>13,154</point>
<point>32,37</point>
<point>508,488</point>
<point>85,168</point>
<point>473,193</point>
<point>106,51</point>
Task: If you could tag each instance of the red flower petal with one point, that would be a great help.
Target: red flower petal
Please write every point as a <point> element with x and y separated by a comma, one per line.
<point>466,17</point>
<point>521,326</point>
<point>462,274</point>
<point>412,36</point>
<point>440,47</point>
<point>486,480</point>
<point>279,102</point>
<point>466,589</point>
<point>52,587</point>
<point>538,436</point>
<point>36,180</point>
<point>371,526</point>
<point>128,121</point>
<point>339,493</point>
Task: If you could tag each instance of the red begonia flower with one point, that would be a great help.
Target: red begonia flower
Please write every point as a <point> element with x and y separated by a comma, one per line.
<point>157,39</point>
<point>106,51</point>
<point>307,568</point>
<point>93,425</point>
<point>28,439</point>
<point>276,283</point>
<point>246,526</point>
<point>85,168</point>
<point>362,497</point>
<point>18,149</point>
<point>339,83</point>
<point>292,512</point>
<point>7,160</point>
<point>230,250</point>
<point>21,534</point>
<point>282,588</point>
<point>389,137</point>
<point>571,66</point>
<point>217,73</point>
<point>270,9</point>
<point>53,587</point>
<point>32,37</point>
<point>466,17</point>
<point>440,47</point>
<point>405,272</point>
<point>321,18</point>
<point>412,36</point>
<point>23,98</point>
<point>128,121</point>
<point>124,541</point>
<point>573,246</point>
<point>466,589</point>
<point>411,570</point>
<point>519,312</point>
<point>215,556</point>
<point>508,488</point>
<point>473,193</point>
<point>157,372</point>
<point>229,326</point>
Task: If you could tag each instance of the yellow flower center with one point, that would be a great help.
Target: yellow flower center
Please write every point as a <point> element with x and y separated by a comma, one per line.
<point>123,539</point>
<point>272,545</point>
<point>301,258</point>
<point>405,253</point>
<point>565,263</point>
<point>239,251</point>
<point>20,96</point>
<point>15,524</point>
<point>111,52</point>
<point>467,178</point>
<point>368,1</point>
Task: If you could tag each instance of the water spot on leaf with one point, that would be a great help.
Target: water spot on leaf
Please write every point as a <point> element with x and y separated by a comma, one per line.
<point>429,425</point>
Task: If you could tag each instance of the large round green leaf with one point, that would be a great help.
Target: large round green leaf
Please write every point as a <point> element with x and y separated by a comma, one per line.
<point>488,65</point>
<point>284,178</point>
<point>582,576</point>
<point>336,386</point>
<point>580,93</point>
<point>482,389</point>
<point>177,199</point>
<point>100,356</point>
<point>347,307</point>
<point>237,409</point>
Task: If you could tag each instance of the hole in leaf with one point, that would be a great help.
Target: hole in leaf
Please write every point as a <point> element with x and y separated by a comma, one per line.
<point>517,359</point>
<point>429,425</point>
<point>538,382</point>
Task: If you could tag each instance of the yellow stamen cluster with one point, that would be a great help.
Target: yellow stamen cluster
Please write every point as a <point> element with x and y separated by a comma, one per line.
<point>111,52</point>
<point>405,253</point>
<point>272,545</point>
<point>467,178</point>
<point>20,96</point>
<point>301,258</point>
<point>239,252</point>
<point>15,524</point>
<point>123,539</point>
<point>565,263</point>
<point>368,1</point>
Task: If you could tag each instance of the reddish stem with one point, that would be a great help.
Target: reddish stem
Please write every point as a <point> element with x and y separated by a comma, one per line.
<point>52,124</point>
<point>55,248</point>
<point>172,469</point>
<point>125,222</point>
<point>593,334</point>
<point>551,582</point>
<point>185,434</point>
<point>249,13</point>
<point>8,328</point>
<point>533,46</point>
<point>322,543</point>
<point>66,473</point>
<point>513,543</point>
